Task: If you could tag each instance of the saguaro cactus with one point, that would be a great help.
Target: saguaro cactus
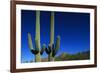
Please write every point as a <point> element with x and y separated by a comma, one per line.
<point>52,49</point>
<point>37,51</point>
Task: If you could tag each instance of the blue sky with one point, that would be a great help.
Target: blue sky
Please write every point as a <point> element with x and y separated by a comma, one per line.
<point>73,28</point>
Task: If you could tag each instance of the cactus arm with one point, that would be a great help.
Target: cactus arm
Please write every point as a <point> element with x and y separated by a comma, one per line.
<point>57,46</point>
<point>48,50</point>
<point>42,49</point>
<point>31,45</point>
<point>30,42</point>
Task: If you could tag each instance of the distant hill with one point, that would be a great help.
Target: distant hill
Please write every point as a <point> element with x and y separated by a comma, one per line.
<point>65,56</point>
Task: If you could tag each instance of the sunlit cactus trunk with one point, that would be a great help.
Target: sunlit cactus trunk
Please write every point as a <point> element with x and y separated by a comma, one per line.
<point>37,36</point>
<point>52,29</point>
<point>50,58</point>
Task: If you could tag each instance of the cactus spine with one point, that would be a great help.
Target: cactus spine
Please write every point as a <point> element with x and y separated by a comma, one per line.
<point>37,51</point>
<point>52,49</point>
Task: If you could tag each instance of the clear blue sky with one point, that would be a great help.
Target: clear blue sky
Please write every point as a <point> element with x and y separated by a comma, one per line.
<point>73,28</point>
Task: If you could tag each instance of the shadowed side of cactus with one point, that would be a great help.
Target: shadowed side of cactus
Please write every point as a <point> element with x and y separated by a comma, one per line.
<point>53,49</point>
<point>36,50</point>
<point>49,52</point>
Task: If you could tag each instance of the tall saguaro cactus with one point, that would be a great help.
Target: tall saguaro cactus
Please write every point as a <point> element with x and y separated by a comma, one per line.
<point>52,49</point>
<point>37,51</point>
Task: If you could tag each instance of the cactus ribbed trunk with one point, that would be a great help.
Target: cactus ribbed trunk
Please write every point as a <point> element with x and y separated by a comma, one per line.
<point>37,36</point>
<point>52,29</point>
<point>51,35</point>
